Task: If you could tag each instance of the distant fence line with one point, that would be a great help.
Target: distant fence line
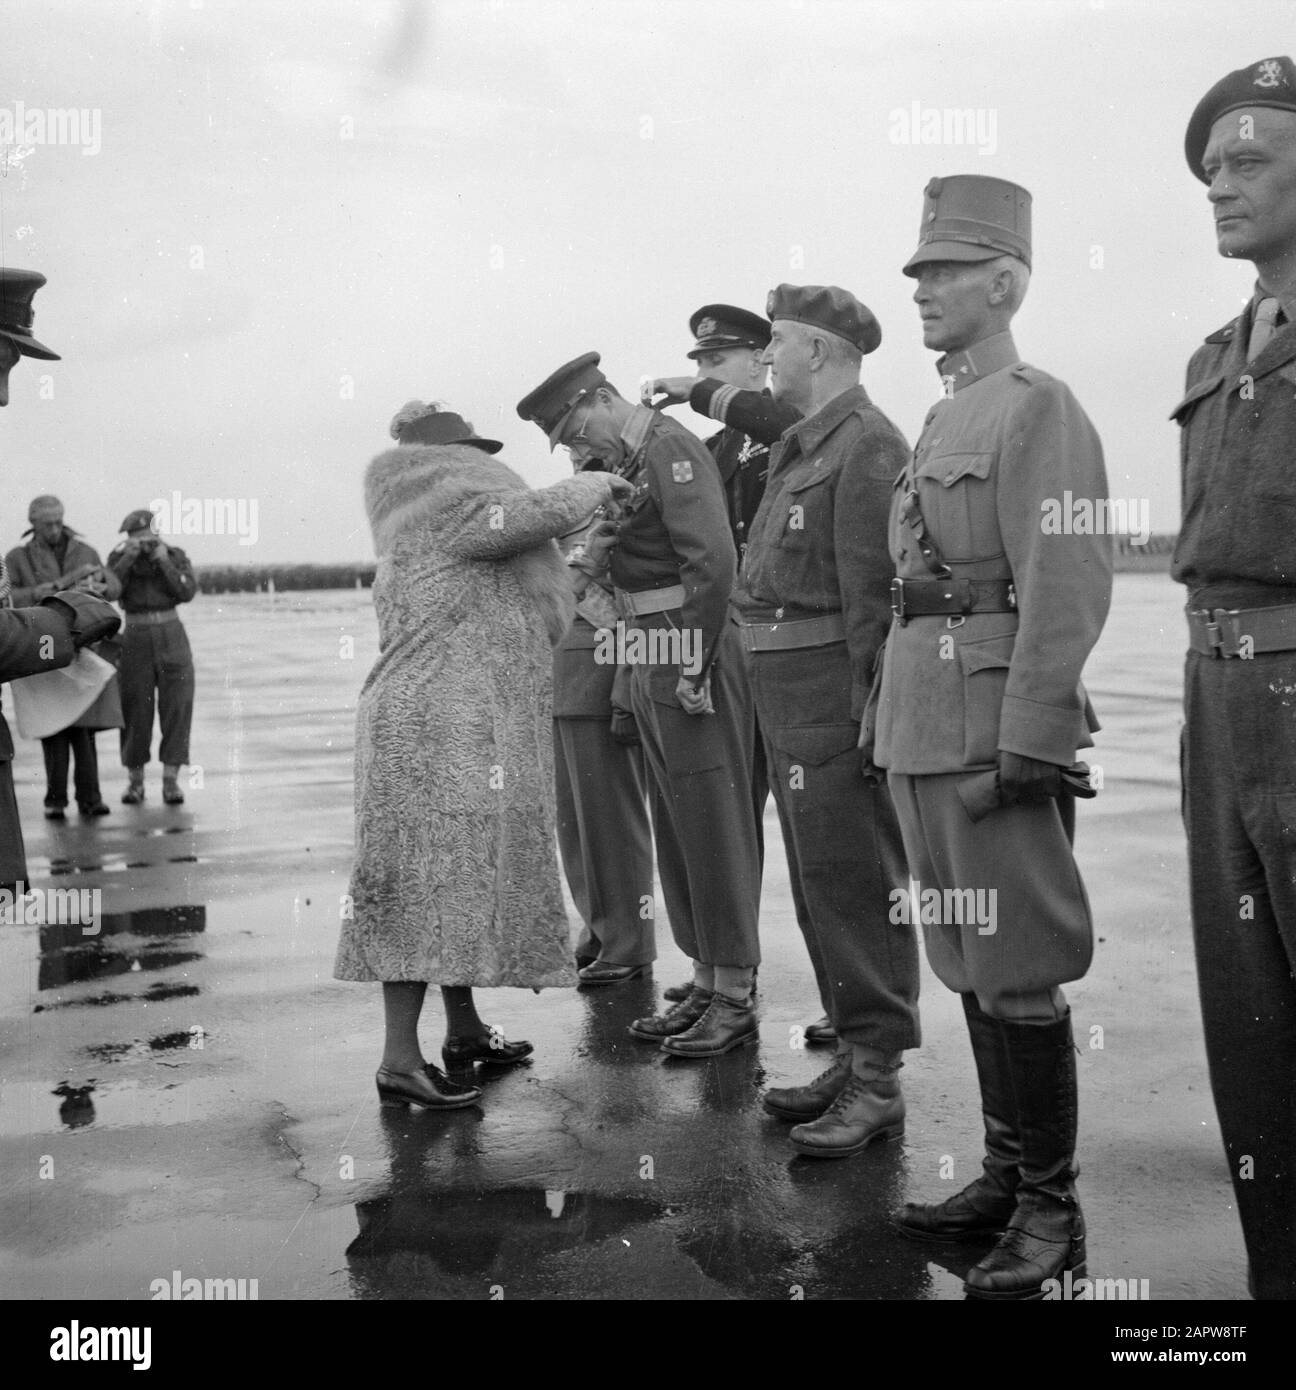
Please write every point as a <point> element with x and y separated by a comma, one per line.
<point>256,579</point>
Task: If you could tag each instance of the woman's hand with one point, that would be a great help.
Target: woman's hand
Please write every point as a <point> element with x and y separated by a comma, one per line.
<point>618,487</point>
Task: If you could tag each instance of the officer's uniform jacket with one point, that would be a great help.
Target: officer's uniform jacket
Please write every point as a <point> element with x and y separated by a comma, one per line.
<point>675,527</point>
<point>1000,454</point>
<point>818,545</point>
<point>1237,541</point>
<point>753,421</point>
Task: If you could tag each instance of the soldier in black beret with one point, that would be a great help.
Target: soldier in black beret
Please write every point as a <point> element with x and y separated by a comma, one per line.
<point>730,387</point>
<point>671,565</point>
<point>1236,553</point>
<point>811,610</point>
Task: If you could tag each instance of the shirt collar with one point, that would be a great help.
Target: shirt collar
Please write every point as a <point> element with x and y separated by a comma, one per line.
<point>634,433</point>
<point>811,432</point>
<point>982,359</point>
<point>1287,304</point>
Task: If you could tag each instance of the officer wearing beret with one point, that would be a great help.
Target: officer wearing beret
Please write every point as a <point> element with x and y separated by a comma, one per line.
<point>1236,553</point>
<point>672,570</point>
<point>48,636</point>
<point>156,662</point>
<point>811,611</point>
<point>981,710</point>
<point>729,347</point>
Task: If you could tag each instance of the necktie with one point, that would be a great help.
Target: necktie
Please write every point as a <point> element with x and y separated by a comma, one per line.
<point>4,586</point>
<point>1262,327</point>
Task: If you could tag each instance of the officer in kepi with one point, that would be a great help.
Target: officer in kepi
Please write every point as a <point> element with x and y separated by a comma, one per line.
<point>730,386</point>
<point>1236,553</point>
<point>811,610</point>
<point>672,569</point>
<point>979,716</point>
<point>47,636</point>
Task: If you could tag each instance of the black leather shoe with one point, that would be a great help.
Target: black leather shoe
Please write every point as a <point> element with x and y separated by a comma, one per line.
<point>821,1031</point>
<point>678,993</point>
<point>583,961</point>
<point>601,973</point>
<point>96,808</point>
<point>675,1020</point>
<point>54,813</point>
<point>864,1111</point>
<point>802,1103</point>
<point>726,1024</point>
<point>491,1048</point>
<point>428,1089</point>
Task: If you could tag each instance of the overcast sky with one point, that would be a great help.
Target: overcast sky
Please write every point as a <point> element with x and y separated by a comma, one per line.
<point>299,216</point>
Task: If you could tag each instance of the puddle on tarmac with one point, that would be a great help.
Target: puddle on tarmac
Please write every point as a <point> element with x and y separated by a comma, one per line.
<point>467,1232</point>
<point>30,1107</point>
<point>146,1047</point>
<point>115,864</point>
<point>68,956</point>
<point>156,992</point>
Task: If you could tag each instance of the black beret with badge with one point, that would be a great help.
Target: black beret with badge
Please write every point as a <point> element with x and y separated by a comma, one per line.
<point>1269,82</point>
<point>828,307</point>
<point>720,326</point>
<point>559,394</point>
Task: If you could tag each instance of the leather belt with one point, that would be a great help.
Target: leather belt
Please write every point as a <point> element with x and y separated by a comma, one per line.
<point>1242,632</point>
<point>919,598</point>
<point>636,605</point>
<point>801,632</point>
<point>153,616</point>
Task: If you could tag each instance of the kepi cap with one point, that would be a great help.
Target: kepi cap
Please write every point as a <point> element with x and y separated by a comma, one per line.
<point>969,217</point>
<point>1269,82</point>
<point>720,326</point>
<point>827,306</point>
<point>17,290</point>
<point>558,395</point>
<point>137,520</point>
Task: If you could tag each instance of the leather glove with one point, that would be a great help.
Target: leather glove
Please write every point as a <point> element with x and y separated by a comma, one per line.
<point>1027,781</point>
<point>624,729</point>
<point>90,619</point>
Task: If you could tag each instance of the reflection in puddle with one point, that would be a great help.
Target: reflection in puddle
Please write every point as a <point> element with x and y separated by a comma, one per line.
<point>67,956</point>
<point>465,1233</point>
<point>77,1108</point>
<point>114,864</point>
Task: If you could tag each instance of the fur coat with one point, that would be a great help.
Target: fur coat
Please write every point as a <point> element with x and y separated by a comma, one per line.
<point>456,877</point>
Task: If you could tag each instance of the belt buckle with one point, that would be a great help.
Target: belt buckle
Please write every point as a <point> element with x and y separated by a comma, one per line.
<point>621,602</point>
<point>897,600</point>
<point>1220,631</point>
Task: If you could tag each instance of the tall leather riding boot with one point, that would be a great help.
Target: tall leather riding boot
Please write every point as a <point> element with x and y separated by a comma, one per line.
<point>983,1209</point>
<point>1046,1235</point>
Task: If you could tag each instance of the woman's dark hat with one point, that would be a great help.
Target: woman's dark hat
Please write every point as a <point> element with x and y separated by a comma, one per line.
<point>444,427</point>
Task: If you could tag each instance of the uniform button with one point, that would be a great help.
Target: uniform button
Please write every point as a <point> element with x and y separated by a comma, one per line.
<point>778,612</point>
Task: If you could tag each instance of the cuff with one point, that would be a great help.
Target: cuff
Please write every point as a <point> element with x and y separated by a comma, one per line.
<point>1045,732</point>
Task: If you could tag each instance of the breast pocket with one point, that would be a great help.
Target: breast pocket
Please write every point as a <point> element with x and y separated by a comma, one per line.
<point>807,513</point>
<point>957,495</point>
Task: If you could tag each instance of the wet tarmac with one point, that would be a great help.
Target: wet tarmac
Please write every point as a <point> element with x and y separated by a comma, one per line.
<point>190,1090</point>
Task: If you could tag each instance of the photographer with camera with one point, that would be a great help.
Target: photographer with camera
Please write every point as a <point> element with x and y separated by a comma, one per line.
<point>157,664</point>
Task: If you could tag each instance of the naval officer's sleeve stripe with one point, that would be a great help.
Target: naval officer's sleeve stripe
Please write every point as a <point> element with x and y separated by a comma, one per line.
<point>718,405</point>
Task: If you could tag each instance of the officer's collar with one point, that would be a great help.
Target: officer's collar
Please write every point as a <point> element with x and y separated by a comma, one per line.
<point>634,433</point>
<point>990,355</point>
<point>814,429</point>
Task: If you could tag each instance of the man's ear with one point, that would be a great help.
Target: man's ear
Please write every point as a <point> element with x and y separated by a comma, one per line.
<point>1000,287</point>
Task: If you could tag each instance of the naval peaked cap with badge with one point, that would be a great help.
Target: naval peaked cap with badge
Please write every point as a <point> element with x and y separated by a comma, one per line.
<point>720,326</point>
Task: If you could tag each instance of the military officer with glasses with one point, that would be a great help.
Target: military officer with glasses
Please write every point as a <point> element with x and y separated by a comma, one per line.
<point>670,561</point>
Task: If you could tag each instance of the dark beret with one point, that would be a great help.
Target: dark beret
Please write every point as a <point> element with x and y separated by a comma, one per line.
<point>826,306</point>
<point>1269,82</point>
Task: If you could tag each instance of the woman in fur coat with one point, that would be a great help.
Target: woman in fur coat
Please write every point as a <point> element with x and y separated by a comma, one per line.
<point>455,880</point>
